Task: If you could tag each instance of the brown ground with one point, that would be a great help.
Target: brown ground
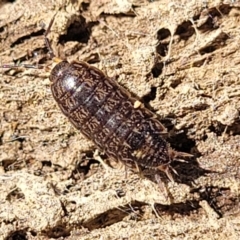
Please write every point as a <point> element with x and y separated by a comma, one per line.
<point>182,59</point>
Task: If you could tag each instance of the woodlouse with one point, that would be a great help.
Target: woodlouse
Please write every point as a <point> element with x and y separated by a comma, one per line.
<point>108,114</point>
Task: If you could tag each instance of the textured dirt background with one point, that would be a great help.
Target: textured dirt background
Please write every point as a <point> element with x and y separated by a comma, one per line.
<point>183,59</point>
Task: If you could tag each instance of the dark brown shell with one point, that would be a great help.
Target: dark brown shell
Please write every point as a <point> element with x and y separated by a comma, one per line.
<point>107,114</point>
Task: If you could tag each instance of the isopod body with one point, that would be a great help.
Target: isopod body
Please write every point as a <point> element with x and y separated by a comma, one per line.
<point>109,115</point>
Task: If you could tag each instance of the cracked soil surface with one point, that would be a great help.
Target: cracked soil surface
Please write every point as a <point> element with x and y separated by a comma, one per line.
<point>182,58</point>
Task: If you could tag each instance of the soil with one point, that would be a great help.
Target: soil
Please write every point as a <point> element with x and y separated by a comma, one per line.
<point>182,59</point>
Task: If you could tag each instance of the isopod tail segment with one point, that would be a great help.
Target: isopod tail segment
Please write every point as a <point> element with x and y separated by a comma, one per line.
<point>174,156</point>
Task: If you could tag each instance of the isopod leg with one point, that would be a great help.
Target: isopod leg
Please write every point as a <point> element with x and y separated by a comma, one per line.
<point>163,187</point>
<point>155,211</point>
<point>139,170</point>
<point>166,170</point>
<point>97,157</point>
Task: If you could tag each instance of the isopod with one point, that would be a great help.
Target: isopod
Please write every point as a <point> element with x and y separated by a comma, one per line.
<point>108,114</point>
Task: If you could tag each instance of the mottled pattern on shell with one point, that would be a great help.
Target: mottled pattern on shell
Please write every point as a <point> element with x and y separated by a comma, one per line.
<point>107,114</point>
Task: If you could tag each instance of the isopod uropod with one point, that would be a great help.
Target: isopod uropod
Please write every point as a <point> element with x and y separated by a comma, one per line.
<point>108,114</point>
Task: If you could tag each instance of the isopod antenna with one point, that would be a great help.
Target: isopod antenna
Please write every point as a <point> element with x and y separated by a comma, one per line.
<point>49,47</point>
<point>46,39</point>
